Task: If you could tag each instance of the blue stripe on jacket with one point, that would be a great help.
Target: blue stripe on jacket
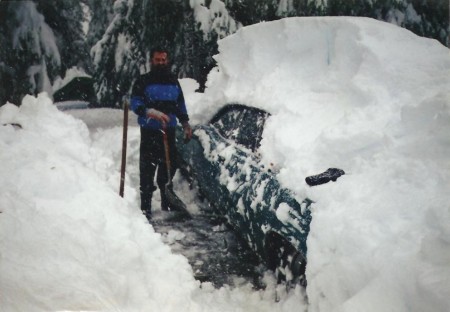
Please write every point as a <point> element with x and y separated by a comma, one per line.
<point>170,93</point>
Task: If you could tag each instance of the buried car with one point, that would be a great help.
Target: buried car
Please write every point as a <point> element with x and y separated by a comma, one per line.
<point>222,157</point>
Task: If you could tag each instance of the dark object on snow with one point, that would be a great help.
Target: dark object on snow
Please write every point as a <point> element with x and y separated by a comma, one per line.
<point>124,149</point>
<point>14,125</point>
<point>330,175</point>
<point>78,89</point>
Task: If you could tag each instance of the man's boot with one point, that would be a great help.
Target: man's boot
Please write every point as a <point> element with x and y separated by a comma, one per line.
<point>147,210</point>
<point>146,203</point>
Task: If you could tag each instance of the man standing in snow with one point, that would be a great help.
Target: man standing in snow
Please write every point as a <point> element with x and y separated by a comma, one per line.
<point>157,99</point>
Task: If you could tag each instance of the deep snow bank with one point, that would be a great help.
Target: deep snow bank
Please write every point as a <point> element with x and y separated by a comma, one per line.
<point>373,99</point>
<point>68,241</point>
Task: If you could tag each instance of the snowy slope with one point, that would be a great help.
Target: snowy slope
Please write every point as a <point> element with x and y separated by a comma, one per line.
<point>68,240</point>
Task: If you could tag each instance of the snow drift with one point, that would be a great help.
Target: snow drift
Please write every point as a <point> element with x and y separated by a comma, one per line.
<point>67,240</point>
<point>374,100</point>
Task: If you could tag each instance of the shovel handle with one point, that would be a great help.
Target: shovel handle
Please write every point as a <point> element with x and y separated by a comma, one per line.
<point>124,148</point>
<point>166,150</point>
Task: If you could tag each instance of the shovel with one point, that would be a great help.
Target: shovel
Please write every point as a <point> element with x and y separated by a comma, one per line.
<point>172,199</point>
<point>124,149</point>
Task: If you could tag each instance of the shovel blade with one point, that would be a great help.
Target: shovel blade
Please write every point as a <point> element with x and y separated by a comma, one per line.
<point>175,203</point>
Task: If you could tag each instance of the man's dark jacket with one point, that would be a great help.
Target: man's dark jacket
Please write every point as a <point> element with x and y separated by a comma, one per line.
<point>162,91</point>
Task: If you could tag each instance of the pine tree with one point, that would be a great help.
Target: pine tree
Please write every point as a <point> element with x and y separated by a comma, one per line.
<point>30,58</point>
<point>117,56</point>
<point>190,52</point>
<point>428,18</point>
<point>250,12</point>
<point>101,16</point>
<point>138,26</point>
<point>66,20</point>
<point>192,40</point>
<point>207,24</point>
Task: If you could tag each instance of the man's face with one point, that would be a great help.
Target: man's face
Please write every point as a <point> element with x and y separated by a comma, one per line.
<point>159,59</point>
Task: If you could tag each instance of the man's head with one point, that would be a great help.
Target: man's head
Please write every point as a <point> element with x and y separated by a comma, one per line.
<point>159,59</point>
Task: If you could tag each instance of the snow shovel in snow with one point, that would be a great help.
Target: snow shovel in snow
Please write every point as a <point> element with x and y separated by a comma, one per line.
<point>173,200</point>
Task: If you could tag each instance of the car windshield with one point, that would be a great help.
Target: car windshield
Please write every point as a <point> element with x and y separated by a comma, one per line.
<point>241,123</point>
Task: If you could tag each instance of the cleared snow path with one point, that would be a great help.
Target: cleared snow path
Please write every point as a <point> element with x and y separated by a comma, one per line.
<point>214,251</point>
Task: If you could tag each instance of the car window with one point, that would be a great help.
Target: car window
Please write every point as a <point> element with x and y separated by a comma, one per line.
<point>228,123</point>
<point>241,123</point>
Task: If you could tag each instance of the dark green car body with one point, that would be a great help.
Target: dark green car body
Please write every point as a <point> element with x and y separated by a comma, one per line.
<point>223,159</point>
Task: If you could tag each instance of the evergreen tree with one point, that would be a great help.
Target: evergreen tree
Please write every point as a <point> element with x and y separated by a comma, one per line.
<point>190,53</point>
<point>250,12</point>
<point>66,20</point>
<point>6,71</point>
<point>117,56</point>
<point>101,16</point>
<point>160,21</point>
<point>207,24</point>
<point>41,39</point>
<point>138,26</point>
<point>428,18</point>
<point>30,58</point>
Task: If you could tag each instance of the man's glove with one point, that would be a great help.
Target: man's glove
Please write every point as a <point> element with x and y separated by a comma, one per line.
<point>187,131</point>
<point>156,114</point>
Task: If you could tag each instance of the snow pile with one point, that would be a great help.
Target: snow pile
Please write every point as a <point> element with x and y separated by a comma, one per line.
<point>374,100</point>
<point>68,241</point>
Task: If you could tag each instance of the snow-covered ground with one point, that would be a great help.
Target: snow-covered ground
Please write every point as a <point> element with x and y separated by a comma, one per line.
<point>353,93</point>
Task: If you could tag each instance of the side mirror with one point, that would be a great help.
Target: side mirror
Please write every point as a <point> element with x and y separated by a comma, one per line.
<point>332,174</point>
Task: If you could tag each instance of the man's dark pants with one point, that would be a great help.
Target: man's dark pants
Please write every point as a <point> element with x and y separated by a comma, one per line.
<point>151,161</point>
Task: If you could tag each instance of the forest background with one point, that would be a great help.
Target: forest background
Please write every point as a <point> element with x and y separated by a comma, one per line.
<point>110,41</point>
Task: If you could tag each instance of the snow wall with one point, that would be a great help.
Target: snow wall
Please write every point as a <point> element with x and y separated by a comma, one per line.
<point>374,100</point>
